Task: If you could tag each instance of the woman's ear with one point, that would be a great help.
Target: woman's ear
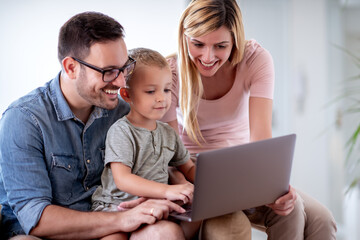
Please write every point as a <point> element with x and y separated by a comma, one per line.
<point>124,93</point>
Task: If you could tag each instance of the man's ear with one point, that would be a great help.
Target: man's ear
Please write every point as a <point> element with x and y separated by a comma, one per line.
<point>70,67</point>
<point>124,93</point>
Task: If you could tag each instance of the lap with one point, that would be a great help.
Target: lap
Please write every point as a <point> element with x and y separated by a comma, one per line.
<point>160,230</point>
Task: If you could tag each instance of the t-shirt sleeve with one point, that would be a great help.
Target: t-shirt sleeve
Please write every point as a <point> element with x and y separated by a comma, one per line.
<point>262,75</point>
<point>119,146</point>
<point>171,113</point>
<point>182,155</point>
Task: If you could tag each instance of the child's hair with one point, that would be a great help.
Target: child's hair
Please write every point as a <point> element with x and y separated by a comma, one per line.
<point>148,57</point>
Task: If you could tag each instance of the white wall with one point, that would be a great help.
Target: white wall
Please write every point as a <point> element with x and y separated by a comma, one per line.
<point>29,31</point>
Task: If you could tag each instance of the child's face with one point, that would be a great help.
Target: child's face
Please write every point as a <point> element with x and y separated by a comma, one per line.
<point>150,93</point>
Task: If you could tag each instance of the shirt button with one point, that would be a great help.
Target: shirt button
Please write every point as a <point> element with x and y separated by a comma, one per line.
<point>88,161</point>
<point>87,188</point>
<point>69,166</point>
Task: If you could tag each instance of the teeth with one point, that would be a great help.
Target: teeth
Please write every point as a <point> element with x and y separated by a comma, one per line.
<point>111,91</point>
<point>207,65</point>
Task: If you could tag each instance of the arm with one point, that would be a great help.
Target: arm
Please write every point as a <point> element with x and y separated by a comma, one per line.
<point>260,114</point>
<point>176,175</point>
<point>64,223</point>
<point>135,185</point>
<point>188,170</point>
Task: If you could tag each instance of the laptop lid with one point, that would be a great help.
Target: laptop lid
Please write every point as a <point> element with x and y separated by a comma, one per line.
<point>241,177</point>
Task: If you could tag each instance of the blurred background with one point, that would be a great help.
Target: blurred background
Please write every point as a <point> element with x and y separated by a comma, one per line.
<point>316,49</point>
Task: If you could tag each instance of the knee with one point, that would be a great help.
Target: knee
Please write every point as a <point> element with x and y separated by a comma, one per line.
<point>25,237</point>
<point>160,230</point>
<point>323,218</point>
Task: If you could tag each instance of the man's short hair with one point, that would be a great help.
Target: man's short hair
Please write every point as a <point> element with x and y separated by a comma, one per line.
<point>83,30</point>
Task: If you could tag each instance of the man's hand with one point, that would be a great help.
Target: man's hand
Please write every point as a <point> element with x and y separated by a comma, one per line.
<point>145,211</point>
<point>284,205</point>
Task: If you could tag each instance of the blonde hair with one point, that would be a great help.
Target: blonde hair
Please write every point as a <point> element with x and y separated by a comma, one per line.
<point>199,18</point>
<point>148,57</point>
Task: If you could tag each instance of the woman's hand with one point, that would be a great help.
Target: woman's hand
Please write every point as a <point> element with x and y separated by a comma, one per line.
<point>284,205</point>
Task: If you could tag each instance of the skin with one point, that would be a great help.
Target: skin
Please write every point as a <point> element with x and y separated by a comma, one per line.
<point>149,97</point>
<point>210,55</point>
<point>83,88</point>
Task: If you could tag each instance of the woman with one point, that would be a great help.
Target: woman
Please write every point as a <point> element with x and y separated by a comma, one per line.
<point>222,96</point>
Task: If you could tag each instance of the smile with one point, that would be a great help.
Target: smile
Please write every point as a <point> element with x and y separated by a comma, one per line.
<point>108,91</point>
<point>207,64</point>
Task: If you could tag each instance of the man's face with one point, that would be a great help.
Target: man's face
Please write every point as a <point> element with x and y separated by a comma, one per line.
<point>90,86</point>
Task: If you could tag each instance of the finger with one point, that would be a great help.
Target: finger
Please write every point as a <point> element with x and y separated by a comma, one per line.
<point>158,213</point>
<point>132,203</point>
<point>148,219</point>
<point>169,205</point>
<point>291,195</point>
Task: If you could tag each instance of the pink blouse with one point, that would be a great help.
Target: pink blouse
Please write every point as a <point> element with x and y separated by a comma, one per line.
<point>224,122</point>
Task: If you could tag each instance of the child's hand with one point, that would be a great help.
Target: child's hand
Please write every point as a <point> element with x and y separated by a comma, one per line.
<point>182,192</point>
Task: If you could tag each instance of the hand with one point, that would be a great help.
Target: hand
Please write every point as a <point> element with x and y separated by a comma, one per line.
<point>142,211</point>
<point>130,204</point>
<point>284,205</point>
<point>183,192</point>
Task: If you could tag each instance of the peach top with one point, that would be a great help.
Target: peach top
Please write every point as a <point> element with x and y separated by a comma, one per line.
<point>224,122</point>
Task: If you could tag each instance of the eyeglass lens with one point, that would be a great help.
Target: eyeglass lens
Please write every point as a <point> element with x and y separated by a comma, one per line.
<point>112,74</point>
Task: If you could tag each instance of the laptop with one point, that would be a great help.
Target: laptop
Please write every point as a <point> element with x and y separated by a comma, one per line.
<point>240,177</point>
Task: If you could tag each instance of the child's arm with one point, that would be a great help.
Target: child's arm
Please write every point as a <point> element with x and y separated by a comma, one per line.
<point>138,186</point>
<point>188,169</point>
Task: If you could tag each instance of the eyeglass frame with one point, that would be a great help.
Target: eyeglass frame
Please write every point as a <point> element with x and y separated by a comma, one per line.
<point>103,71</point>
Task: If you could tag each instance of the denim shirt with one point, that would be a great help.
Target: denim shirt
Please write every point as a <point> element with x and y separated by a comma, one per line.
<point>48,156</point>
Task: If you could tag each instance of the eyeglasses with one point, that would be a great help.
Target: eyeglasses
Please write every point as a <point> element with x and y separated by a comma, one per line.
<point>109,75</point>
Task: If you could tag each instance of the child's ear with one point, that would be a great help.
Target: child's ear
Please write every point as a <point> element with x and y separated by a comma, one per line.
<point>124,93</point>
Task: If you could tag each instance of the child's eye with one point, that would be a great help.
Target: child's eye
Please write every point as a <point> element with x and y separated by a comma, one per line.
<point>167,90</point>
<point>150,92</point>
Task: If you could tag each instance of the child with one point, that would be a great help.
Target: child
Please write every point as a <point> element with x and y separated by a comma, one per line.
<point>139,148</point>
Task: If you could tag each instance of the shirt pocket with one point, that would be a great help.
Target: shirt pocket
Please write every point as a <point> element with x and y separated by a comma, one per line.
<point>65,179</point>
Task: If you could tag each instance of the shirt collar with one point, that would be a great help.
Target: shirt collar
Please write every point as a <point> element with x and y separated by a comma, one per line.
<point>61,106</point>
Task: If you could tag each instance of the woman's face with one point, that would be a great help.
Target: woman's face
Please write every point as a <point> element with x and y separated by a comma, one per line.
<point>209,52</point>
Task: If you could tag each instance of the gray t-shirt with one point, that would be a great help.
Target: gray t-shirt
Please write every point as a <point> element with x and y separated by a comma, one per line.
<point>147,153</point>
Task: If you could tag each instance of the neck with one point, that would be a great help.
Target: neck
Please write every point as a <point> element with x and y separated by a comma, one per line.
<point>77,105</point>
<point>148,124</point>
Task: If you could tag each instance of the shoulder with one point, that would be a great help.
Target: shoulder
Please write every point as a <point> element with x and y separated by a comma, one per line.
<point>120,124</point>
<point>255,53</point>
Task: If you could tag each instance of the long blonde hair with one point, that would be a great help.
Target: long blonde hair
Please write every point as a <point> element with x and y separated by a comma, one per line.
<point>199,18</point>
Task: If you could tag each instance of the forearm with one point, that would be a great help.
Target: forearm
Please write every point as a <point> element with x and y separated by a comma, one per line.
<point>142,187</point>
<point>176,177</point>
<point>63,223</point>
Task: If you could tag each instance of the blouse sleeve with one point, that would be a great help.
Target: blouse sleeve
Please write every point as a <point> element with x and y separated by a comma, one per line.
<point>261,71</point>
<point>171,113</point>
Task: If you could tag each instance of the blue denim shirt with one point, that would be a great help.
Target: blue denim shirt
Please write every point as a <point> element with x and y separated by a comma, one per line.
<point>48,156</point>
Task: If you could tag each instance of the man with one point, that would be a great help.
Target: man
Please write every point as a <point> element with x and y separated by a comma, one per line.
<point>52,143</point>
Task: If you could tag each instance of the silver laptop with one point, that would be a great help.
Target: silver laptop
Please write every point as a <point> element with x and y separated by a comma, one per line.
<point>240,177</point>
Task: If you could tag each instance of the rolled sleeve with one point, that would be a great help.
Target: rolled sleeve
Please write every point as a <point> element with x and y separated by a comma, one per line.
<point>24,172</point>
